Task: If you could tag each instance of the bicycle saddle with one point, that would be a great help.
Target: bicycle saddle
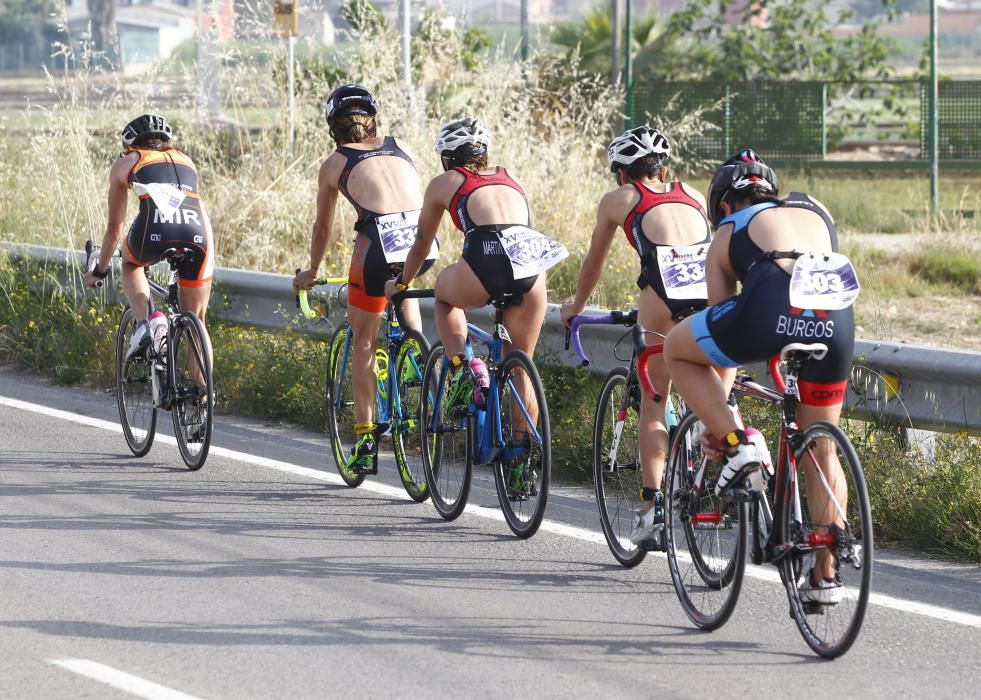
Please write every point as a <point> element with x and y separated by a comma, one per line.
<point>503,301</point>
<point>816,351</point>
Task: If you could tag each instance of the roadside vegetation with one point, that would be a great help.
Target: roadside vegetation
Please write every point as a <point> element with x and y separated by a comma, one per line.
<point>54,328</point>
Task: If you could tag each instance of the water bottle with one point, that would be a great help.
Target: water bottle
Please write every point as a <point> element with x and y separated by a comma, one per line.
<point>158,332</point>
<point>481,381</point>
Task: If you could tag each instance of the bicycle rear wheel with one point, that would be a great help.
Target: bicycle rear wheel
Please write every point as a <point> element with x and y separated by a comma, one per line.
<point>617,475</point>
<point>193,406</point>
<point>340,404</point>
<point>706,536</point>
<point>406,433</point>
<point>134,393</point>
<point>448,455</point>
<point>829,619</point>
<point>523,473</point>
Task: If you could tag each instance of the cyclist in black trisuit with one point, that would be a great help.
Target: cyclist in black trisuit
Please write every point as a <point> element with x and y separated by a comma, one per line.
<point>759,239</point>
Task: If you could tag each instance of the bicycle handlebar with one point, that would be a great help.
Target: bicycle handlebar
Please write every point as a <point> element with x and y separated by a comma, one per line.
<point>397,300</point>
<point>302,298</point>
<point>612,318</point>
<point>91,259</point>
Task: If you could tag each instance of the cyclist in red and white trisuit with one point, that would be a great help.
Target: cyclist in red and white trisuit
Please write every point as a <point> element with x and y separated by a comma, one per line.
<point>665,223</point>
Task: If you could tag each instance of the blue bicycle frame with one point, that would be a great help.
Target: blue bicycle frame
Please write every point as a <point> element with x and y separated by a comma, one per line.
<point>489,435</point>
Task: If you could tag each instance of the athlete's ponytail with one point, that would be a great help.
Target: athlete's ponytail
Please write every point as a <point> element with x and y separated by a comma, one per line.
<point>354,128</point>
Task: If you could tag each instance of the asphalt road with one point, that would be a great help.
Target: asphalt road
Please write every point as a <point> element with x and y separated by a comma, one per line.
<point>263,576</point>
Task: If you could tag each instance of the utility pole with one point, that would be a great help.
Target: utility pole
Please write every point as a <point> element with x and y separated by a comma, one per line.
<point>524,30</point>
<point>934,133</point>
<point>628,63</point>
<point>615,49</point>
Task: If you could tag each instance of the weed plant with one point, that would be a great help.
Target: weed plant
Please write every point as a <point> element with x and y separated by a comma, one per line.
<point>48,325</point>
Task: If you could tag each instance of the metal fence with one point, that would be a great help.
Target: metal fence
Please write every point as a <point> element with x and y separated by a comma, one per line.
<point>800,121</point>
<point>958,119</point>
<point>905,385</point>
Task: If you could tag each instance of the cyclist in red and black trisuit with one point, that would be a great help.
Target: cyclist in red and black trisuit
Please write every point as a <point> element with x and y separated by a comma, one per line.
<point>501,254</point>
<point>759,239</point>
<point>171,215</point>
<point>665,223</point>
<point>378,177</point>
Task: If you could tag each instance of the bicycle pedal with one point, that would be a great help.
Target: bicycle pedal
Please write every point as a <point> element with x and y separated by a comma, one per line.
<point>654,544</point>
<point>365,469</point>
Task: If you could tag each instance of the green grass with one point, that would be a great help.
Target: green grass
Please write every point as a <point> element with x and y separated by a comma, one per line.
<point>52,327</point>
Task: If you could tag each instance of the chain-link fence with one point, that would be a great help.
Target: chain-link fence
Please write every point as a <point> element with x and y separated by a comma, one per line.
<point>958,120</point>
<point>782,119</point>
<point>801,121</point>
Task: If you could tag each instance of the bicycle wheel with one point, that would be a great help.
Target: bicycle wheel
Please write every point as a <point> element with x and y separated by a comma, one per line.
<point>617,475</point>
<point>193,406</point>
<point>134,393</point>
<point>706,536</point>
<point>828,516</point>
<point>523,472</point>
<point>448,458</point>
<point>406,436</point>
<point>340,404</point>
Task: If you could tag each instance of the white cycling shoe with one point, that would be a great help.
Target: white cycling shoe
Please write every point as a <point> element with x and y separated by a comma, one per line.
<point>736,467</point>
<point>139,340</point>
<point>827,591</point>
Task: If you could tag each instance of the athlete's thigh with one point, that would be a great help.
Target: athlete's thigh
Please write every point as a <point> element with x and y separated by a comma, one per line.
<point>458,286</point>
<point>654,315</point>
<point>524,321</point>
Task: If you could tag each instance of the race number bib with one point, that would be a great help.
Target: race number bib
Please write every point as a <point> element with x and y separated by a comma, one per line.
<point>683,270</point>
<point>397,233</point>
<point>825,281</point>
<point>167,197</point>
<point>530,252</point>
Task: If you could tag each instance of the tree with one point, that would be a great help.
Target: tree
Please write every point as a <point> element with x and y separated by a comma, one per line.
<point>102,22</point>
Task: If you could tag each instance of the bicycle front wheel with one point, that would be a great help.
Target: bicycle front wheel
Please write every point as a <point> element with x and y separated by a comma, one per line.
<point>523,470</point>
<point>706,535</point>
<point>828,522</point>
<point>406,431</point>
<point>617,474</point>
<point>193,407</point>
<point>340,404</point>
<point>134,393</point>
<point>447,457</point>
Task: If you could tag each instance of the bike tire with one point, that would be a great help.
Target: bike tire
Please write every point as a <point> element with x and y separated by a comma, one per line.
<point>829,630</point>
<point>707,558</point>
<point>523,500</point>
<point>134,393</point>
<point>340,405</point>
<point>617,491</point>
<point>448,457</point>
<point>406,431</point>
<point>192,408</point>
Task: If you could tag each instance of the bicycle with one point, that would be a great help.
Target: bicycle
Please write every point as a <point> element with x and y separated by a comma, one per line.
<point>617,471</point>
<point>707,534</point>
<point>502,432</point>
<point>175,377</point>
<point>397,396</point>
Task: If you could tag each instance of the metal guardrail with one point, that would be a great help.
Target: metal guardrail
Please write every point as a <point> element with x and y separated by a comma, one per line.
<point>914,386</point>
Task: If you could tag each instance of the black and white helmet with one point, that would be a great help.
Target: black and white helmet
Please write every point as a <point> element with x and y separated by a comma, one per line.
<point>743,171</point>
<point>461,132</point>
<point>146,124</point>
<point>637,143</point>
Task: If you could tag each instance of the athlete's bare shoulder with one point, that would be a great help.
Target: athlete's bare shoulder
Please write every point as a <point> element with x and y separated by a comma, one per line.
<point>821,205</point>
<point>404,148</point>
<point>120,170</point>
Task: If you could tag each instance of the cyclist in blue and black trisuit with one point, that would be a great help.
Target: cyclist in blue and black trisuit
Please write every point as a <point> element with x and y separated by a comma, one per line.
<point>759,239</point>
<point>172,214</point>
<point>665,223</point>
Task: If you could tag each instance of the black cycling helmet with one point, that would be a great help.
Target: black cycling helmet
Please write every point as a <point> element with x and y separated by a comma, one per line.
<point>146,125</point>
<point>350,99</point>
<point>743,170</point>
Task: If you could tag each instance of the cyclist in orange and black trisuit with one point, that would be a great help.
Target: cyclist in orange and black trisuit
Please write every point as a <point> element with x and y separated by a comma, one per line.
<point>379,179</point>
<point>171,215</point>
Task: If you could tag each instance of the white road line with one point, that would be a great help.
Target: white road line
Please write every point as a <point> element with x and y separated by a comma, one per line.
<point>758,572</point>
<point>127,682</point>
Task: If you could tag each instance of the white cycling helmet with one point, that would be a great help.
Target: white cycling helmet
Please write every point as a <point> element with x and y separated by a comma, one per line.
<point>635,144</point>
<point>461,132</point>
